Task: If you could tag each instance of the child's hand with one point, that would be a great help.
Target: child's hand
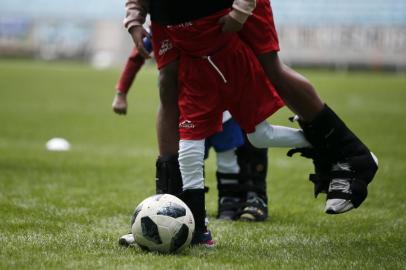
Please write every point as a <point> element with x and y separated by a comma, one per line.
<point>120,103</point>
<point>138,33</point>
<point>230,24</point>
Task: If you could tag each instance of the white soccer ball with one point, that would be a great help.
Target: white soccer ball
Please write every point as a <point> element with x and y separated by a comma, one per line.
<point>57,144</point>
<point>162,223</point>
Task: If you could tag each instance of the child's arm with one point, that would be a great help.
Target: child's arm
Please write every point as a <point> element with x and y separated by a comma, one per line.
<point>134,63</point>
<point>136,13</point>
<point>235,20</point>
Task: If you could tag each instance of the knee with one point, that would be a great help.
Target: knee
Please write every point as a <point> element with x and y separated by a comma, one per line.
<point>257,138</point>
<point>272,65</point>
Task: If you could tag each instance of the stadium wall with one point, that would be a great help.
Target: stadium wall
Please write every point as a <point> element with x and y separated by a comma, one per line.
<point>344,47</point>
<point>340,34</point>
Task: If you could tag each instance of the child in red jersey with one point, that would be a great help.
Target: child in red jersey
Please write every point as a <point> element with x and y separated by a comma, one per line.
<point>218,72</point>
<point>241,168</point>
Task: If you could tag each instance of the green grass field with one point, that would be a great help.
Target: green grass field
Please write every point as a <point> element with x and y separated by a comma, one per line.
<point>67,210</point>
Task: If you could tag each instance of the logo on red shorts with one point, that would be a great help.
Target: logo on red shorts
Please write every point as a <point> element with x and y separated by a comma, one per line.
<point>186,124</point>
<point>166,45</point>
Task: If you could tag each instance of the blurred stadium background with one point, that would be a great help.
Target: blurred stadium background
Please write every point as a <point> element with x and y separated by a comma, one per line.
<point>342,34</point>
<point>67,210</point>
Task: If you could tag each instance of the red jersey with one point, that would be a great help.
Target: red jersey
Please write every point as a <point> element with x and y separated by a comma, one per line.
<point>217,72</point>
<point>258,32</point>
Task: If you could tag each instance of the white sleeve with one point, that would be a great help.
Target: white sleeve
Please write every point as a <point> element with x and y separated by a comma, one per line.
<point>226,116</point>
<point>242,9</point>
<point>136,12</point>
<point>267,135</point>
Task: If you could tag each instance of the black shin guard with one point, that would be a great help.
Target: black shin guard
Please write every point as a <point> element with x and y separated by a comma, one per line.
<point>195,200</point>
<point>253,164</point>
<point>327,132</point>
<point>230,195</point>
<point>168,176</point>
<point>334,140</point>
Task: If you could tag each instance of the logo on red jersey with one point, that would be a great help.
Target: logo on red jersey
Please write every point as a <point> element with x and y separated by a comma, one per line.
<point>166,45</point>
<point>187,124</point>
<point>181,25</point>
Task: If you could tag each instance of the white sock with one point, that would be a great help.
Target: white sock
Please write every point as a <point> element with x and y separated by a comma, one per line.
<point>227,162</point>
<point>267,135</point>
<point>191,159</point>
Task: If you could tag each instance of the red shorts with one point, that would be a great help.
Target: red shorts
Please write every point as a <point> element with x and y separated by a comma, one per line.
<point>259,33</point>
<point>231,79</point>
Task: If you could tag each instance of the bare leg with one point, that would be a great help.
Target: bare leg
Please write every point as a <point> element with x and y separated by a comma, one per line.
<point>295,90</point>
<point>168,177</point>
<point>329,135</point>
<point>168,113</point>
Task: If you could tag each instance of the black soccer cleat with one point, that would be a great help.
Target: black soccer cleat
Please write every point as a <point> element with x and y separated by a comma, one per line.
<point>348,186</point>
<point>203,238</point>
<point>228,208</point>
<point>254,209</point>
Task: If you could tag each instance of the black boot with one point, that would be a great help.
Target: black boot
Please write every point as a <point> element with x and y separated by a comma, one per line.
<point>353,165</point>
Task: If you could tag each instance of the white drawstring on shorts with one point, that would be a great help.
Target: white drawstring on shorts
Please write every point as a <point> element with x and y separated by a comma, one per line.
<point>216,68</point>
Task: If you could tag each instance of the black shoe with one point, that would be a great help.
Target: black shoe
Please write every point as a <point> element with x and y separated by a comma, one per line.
<point>228,208</point>
<point>203,238</point>
<point>348,189</point>
<point>255,208</point>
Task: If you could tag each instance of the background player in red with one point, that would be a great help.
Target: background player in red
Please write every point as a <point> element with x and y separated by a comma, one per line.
<point>134,63</point>
<point>346,186</point>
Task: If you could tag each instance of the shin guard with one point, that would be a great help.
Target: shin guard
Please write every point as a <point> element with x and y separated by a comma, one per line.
<point>254,165</point>
<point>337,143</point>
<point>230,195</point>
<point>168,176</point>
<point>195,200</point>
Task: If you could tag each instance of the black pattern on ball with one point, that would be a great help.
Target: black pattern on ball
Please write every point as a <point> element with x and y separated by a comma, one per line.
<point>171,209</point>
<point>180,238</point>
<point>150,230</point>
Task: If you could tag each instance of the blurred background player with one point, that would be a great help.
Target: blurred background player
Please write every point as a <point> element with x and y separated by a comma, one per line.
<point>344,166</point>
<point>241,174</point>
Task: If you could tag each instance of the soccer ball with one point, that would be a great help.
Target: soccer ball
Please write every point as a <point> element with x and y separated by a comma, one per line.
<point>162,223</point>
